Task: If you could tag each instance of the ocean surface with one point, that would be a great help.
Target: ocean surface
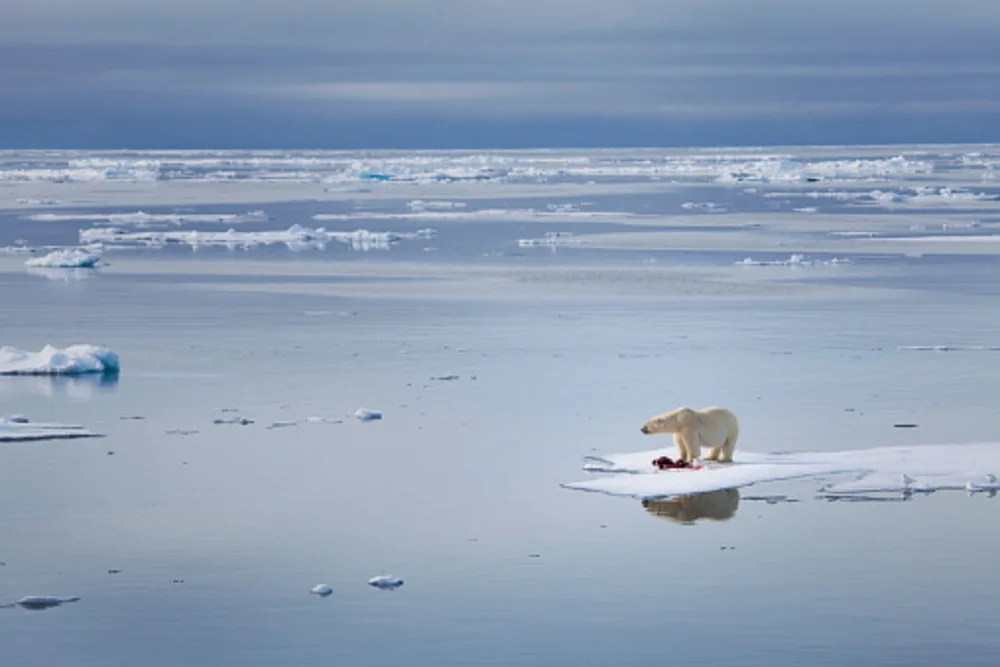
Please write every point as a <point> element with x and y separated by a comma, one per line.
<point>561,299</point>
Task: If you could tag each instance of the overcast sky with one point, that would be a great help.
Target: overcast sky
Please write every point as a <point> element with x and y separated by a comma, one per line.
<point>511,73</point>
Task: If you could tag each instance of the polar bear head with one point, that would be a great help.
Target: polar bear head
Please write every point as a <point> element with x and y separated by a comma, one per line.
<point>669,422</point>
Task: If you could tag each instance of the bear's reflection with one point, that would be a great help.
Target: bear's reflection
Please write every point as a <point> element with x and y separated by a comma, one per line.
<point>712,506</point>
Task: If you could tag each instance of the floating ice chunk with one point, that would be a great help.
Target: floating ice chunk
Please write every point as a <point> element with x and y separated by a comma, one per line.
<point>421,205</point>
<point>73,258</point>
<point>73,360</point>
<point>38,202</point>
<point>12,430</point>
<point>36,602</point>
<point>793,260</point>
<point>918,469</point>
<point>708,207</point>
<point>367,415</point>
<point>385,581</point>
<point>14,419</point>
<point>323,420</point>
<point>282,424</point>
<point>552,239</point>
<point>321,590</point>
<point>950,348</point>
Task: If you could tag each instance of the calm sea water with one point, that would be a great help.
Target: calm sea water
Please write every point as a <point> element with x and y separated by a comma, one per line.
<point>218,535</point>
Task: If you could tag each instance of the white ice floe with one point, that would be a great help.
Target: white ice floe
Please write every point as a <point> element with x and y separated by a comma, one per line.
<point>385,581</point>
<point>71,258</point>
<point>794,260</point>
<point>435,205</point>
<point>18,428</point>
<point>141,218</point>
<point>906,470</point>
<point>30,201</point>
<point>367,415</point>
<point>950,348</point>
<point>554,212</point>
<point>73,360</point>
<point>295,236</point>
<point>551,240</point>
<point>708,207</point>
<point>918,196</point>
<point>321,590</point>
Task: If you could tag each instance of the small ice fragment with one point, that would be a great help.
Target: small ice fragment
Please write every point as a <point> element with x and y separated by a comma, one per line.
<point>242,421</point>
<point>367,415</point>
<point>321,590</point>
<point>14,419</point>
<point>445,378</point>
<point>282,424</point>
<point>323,420</point>
<point>43,601</point>
<point>385,581</point>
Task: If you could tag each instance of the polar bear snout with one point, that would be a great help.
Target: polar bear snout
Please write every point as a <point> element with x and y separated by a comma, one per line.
<point>645,429</point>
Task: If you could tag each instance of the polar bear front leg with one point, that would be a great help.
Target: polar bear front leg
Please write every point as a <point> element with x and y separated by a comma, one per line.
<point>713,454</point>
<point>691,446</point>
<point>682,447</point>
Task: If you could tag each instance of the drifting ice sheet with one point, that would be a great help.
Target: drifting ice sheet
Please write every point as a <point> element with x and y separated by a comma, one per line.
<point>925,469</point>
<point>73,360</point>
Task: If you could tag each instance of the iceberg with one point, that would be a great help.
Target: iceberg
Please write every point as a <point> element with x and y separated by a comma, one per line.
<point>36,602</point>
<point>385,581</point>
<point>73,360</point>
<point>72,258</point>
<point>18,428</point>
<point>902,470</point>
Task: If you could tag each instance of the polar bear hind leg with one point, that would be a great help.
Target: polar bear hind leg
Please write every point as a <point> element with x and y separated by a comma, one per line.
<point>713,454</point>
<point>727,450</point>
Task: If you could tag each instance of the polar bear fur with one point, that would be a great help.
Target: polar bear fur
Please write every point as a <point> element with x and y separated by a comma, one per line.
<point>715,428</point>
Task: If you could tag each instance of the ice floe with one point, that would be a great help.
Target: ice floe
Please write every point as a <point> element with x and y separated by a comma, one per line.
<point>38,602</point>
<point>551,240</point>
<point>950,348</point>
<point>365,415</point>
<point>141,218</point>
<point>794,260</point>
<point>71,258</point>
<point>321,590</point>
<point>901,470</point>
<point>18,428</point>
<point>386,581</point>
<point>73,360</point>
<point>295,236</point>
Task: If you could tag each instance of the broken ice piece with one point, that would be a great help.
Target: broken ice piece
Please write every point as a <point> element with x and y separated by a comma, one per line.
<point>42,601</point>
<point>367,415</point>
<point>282,424</point>
<point>385,581</point>
<point>321,590</point>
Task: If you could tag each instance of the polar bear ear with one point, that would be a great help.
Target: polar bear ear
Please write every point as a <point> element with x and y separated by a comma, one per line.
<point>684,415</point>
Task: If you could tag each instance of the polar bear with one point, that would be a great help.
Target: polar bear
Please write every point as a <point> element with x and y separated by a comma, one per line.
<point>716,428</point>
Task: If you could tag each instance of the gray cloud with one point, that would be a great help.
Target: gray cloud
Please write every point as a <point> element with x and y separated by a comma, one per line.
<point>386,62</point>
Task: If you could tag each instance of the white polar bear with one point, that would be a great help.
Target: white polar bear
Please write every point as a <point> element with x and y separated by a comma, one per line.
<point>713,427</point>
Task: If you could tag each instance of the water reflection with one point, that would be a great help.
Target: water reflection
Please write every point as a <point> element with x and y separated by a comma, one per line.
<point>712,506</point>
<point>78,387</point>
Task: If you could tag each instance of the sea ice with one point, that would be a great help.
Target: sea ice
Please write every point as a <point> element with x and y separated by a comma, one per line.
<point>912,469</point>
<point>36,602</point>
<point>385,581</point>
<point>794,260</point>
<point>72,258</point>
<point>296,235</point>
<point>18,428</point>
<point>321,590</point>
<point>367,415</point>
<point>73,360</point>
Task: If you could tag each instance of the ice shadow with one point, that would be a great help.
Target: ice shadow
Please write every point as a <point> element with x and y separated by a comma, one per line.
<point>688,509</point>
